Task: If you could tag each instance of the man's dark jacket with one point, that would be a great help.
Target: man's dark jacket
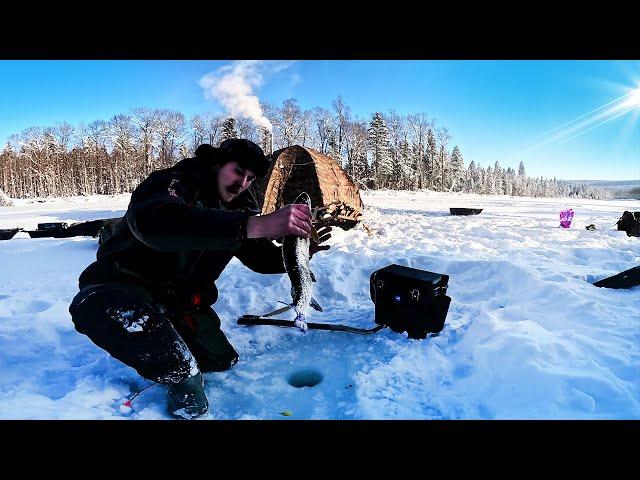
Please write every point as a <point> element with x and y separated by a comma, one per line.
<point>178,236</point>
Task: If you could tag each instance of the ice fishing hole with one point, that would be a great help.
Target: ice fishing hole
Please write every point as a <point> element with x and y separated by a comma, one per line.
<point>304,378</point>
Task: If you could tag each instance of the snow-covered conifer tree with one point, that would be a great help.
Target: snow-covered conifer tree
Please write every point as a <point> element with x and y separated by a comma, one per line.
<point>442,159</point>
<point>229,129</point>
<point>431,159</point>
<point>379,147</point>
<point>456,169</point>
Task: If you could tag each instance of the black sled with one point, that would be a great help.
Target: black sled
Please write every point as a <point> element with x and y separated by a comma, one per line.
<point>627,279</point>
<point>8,233</point>
<point>465,211</point>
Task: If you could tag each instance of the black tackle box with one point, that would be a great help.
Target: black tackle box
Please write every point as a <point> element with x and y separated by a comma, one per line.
<point>411,300</point>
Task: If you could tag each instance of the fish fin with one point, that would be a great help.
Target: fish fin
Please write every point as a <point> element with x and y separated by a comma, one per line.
<point>314,235</point>
<point>280,310</point>
<point>313,277</point>
<point>315,305</point>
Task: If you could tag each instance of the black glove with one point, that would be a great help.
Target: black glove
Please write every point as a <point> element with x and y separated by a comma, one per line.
<point>323,235</point>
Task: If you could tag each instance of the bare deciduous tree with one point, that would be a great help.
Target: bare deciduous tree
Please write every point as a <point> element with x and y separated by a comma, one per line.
<point>114,156</point>
<point>146,123</point>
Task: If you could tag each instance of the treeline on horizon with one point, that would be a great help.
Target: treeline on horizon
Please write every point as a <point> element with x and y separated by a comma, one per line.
<point>632,193</point>
<point>385,151</point>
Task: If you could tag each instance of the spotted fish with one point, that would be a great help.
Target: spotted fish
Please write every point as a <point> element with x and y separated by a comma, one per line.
<point>295,253</point>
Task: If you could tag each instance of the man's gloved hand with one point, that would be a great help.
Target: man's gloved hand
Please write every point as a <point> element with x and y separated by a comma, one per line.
<point>323,235</point>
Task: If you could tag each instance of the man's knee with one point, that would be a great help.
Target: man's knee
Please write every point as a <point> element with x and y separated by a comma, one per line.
<point>209,344</point>
<point>109,309</point>
<point>133,330</point>
<point>208,363</point>
<point>86,308</point>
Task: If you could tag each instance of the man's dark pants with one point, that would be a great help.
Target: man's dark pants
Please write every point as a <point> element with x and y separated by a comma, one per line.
<point>161,345</point>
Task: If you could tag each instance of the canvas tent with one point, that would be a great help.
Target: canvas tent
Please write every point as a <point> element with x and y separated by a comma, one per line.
<point>334,196</point>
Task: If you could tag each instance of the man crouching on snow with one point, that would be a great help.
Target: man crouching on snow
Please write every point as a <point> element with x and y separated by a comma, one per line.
<point>147,299</point>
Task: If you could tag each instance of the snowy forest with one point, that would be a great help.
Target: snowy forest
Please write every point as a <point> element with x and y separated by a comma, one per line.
<point>385,151</point>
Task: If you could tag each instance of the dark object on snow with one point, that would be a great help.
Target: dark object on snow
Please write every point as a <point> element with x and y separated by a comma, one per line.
<point>630,223</point>
<point>55,230</point>
<point>411,300</point>
<point>52,226</point>
<point>62,230</point>
<point>465,211</point>
<point>8,233</point>
<point>91,228</point>
<point>627,279</point>
<point>590,227</point>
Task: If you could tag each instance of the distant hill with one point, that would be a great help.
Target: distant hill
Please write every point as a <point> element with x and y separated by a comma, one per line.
<point>608,184</point>
<point>619,188</point>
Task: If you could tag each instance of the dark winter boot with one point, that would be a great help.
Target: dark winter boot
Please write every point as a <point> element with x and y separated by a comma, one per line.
<point>187,399</point>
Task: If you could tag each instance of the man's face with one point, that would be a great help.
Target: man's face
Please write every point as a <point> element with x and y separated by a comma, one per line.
<point>233,180</point>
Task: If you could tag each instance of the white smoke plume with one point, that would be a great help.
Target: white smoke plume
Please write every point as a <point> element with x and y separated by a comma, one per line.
<point>232,85</point>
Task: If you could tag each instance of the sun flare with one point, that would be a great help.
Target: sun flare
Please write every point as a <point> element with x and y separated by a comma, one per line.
<point>634,98</point>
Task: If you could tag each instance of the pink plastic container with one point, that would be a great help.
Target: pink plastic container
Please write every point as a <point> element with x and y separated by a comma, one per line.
<point>565,218</point>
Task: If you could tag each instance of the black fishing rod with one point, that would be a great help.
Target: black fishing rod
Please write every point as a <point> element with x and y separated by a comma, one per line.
<point>257,320</point>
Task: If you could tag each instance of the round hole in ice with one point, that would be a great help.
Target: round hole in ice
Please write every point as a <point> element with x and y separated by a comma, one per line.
<point>305,378</point>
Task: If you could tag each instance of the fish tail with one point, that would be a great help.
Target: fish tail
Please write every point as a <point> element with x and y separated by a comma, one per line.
<point>300,322</point>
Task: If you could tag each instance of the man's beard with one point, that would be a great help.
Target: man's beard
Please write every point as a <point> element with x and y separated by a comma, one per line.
<point>233,190</point>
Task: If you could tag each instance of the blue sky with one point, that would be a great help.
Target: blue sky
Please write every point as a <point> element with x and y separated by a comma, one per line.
<point>495,110</point>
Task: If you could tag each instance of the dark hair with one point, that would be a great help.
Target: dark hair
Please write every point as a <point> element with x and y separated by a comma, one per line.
<point>245,152</point>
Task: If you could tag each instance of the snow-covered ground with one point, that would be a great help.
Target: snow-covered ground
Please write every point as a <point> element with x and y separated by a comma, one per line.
<point>527,336</point>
